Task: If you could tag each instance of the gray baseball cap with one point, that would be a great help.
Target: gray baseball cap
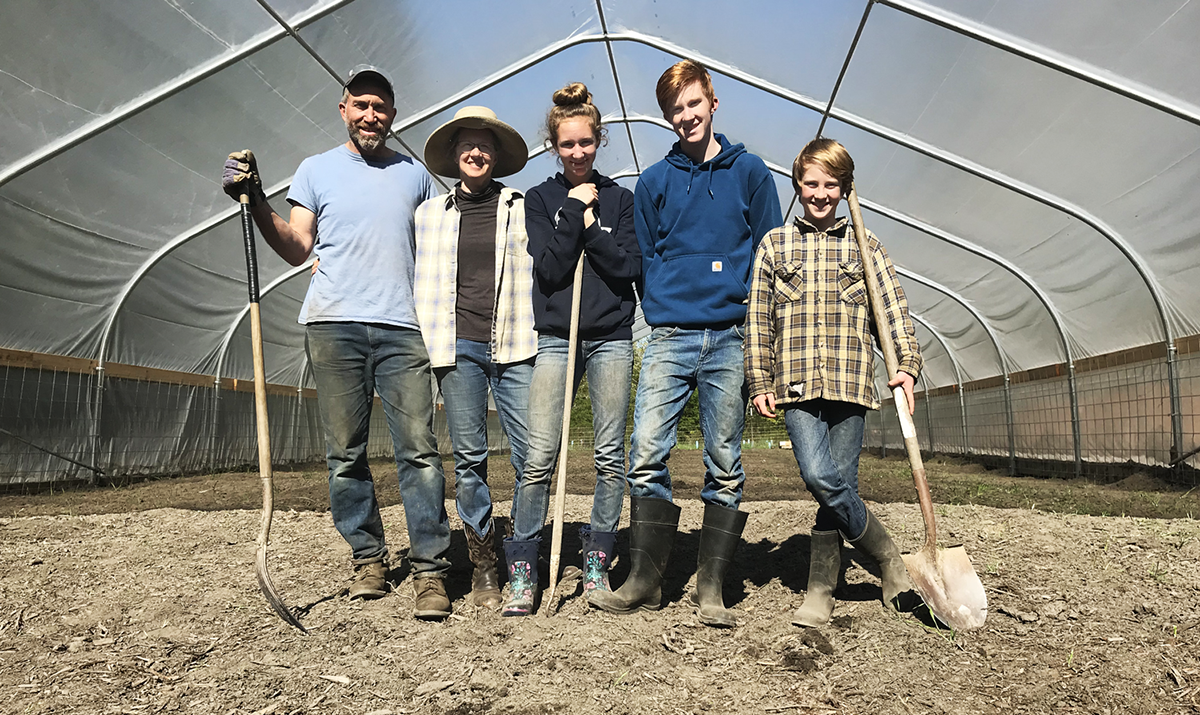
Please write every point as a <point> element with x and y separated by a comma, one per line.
<point>363,70</point>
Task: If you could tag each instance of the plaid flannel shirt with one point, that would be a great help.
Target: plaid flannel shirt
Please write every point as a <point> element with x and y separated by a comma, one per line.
<point>435,281</point>
<point>809,331</point>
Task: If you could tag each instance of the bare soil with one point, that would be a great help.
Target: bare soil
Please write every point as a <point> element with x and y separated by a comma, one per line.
<point>142,599</point>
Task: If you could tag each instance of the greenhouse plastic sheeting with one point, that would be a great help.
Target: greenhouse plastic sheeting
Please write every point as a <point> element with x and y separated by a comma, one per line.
<point>1036,161</point>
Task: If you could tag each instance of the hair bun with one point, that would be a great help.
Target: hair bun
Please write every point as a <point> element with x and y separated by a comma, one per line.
<point>574,93</point>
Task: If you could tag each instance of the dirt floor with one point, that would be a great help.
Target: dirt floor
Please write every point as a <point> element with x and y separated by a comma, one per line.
<point>142,599</point>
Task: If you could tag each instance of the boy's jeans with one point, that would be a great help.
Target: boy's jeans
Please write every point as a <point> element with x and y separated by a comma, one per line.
<point>465,394</point>
<point>676,362</point>
<point>350,362</point>
<point>827,438</point>
<point>609,364</point>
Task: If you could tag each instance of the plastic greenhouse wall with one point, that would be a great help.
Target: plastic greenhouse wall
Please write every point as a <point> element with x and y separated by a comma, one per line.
<point>51,431</point>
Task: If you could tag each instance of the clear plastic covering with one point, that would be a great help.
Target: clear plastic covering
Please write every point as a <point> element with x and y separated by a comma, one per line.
<point>1062,139</point>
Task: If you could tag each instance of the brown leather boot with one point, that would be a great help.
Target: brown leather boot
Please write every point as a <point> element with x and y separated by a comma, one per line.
<point>430,602</point>
<point>370,580</point>
<point>485,584</point>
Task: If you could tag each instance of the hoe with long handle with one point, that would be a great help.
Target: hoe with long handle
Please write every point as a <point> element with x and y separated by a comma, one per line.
<point>560,493</point>
<point>944,578</point>
<point>264,433</point>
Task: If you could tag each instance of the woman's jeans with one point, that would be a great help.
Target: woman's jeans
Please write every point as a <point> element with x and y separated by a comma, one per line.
<point>464,389</point>
<point>609,365</point>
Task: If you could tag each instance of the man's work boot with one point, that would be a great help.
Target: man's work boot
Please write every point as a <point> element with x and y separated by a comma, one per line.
<point>824,563</point>
<point>485,584</point>
<point>719,538</point>
<point>875,542</point>
<point>598,549</point>
<point>370,580</point>
<point>430,603</point>
<point>652,525</point>
<point>522,558</point>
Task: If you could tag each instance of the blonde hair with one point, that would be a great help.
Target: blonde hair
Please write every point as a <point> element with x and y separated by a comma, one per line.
<point>831,156</point>
<point>570,102</point>
<point>678,76</point>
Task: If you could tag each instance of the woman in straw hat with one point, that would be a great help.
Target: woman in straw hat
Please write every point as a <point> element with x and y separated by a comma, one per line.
<point>578,211</point>
<point>473,279</point>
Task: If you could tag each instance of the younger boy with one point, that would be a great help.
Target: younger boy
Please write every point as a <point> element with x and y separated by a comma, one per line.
<point>808,350</point>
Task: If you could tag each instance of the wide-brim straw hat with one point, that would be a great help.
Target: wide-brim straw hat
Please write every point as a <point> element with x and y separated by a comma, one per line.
<point>511,150</point>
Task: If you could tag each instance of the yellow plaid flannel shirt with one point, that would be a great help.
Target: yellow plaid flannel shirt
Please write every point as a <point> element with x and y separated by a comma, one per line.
<point>809,329</point>
<point>435,280</point>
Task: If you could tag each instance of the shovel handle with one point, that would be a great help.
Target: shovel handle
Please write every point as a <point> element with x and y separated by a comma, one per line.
<point>907,427</point>
<point>560,492</point>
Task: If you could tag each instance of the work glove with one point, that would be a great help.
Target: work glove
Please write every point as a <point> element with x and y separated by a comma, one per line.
<point>241,175</point>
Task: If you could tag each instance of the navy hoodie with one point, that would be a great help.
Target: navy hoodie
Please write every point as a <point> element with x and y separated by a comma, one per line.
<point>698,226</point>
<point>554,223</point>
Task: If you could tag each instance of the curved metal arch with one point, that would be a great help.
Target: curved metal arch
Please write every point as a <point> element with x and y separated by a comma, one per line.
<point>164,91</point>
<point>947,157</point>
<point>962,403</point>
<point>157,257</point>
<point>893,136</point>
<point>1078,70</point>
<point>266,290</point>
<point>1004,365</point>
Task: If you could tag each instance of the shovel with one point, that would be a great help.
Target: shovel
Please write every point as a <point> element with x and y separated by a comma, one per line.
<point>549,605</point>
<point>944,578</point>
<point>264,433</point>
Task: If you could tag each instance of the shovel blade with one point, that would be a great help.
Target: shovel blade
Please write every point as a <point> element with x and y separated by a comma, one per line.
<point>946,581</point>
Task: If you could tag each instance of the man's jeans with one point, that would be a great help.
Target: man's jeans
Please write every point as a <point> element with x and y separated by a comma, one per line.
<point>827,438</point>
<point>465,394</point>
<point>676,362</point>
<point>350,362</point>
<point>609,365</point>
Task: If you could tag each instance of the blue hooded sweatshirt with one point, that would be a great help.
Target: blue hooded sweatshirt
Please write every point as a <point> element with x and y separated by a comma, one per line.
<point>698,226</point>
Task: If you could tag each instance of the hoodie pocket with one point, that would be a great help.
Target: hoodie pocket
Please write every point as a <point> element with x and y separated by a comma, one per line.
<point>789,281</point>
<point>852,288</point>
<point>694,289</point>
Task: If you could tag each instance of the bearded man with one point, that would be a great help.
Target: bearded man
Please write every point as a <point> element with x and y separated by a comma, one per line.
<point>354,206</point>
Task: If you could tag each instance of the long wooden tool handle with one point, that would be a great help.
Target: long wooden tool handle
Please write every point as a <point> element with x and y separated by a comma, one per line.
<point>260,383</point>
<point>560,492</point>
<point>907,427</point>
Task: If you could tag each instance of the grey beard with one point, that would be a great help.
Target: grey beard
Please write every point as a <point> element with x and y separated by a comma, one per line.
<point>369,145</point>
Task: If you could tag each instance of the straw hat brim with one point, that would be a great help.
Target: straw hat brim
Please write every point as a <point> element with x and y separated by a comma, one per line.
<point>511,152</point>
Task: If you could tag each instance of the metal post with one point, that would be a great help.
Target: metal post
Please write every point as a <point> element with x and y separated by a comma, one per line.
<point>1075,419</point>
<point>214,423</point>
<point>928,413</point>
<point>1012,438</point>
<point>1176,406</point>
<point>962,406</point>
<point>97,411</point>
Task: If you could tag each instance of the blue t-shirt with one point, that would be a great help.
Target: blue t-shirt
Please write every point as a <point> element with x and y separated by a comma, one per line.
<point>364,235</point>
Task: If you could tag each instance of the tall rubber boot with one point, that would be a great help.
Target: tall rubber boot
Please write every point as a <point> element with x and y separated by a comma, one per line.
<point>875,542</point>
<point>598,549</point>
<point>719,537</point>
<point>522,558</point>
<point>652,525</point>
<point>824,563</point>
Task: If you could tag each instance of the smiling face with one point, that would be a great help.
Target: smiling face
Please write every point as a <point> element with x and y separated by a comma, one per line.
<point>691,115</point>
<point>576,147</point>
<point>819,195</point>
<point>368,112</point>
<point>475,152</point>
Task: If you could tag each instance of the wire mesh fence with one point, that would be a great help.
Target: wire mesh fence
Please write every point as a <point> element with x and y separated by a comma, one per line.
<point>62,424</point>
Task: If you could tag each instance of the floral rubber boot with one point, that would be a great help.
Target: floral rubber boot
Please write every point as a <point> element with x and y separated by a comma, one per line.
<point>522,576</point>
